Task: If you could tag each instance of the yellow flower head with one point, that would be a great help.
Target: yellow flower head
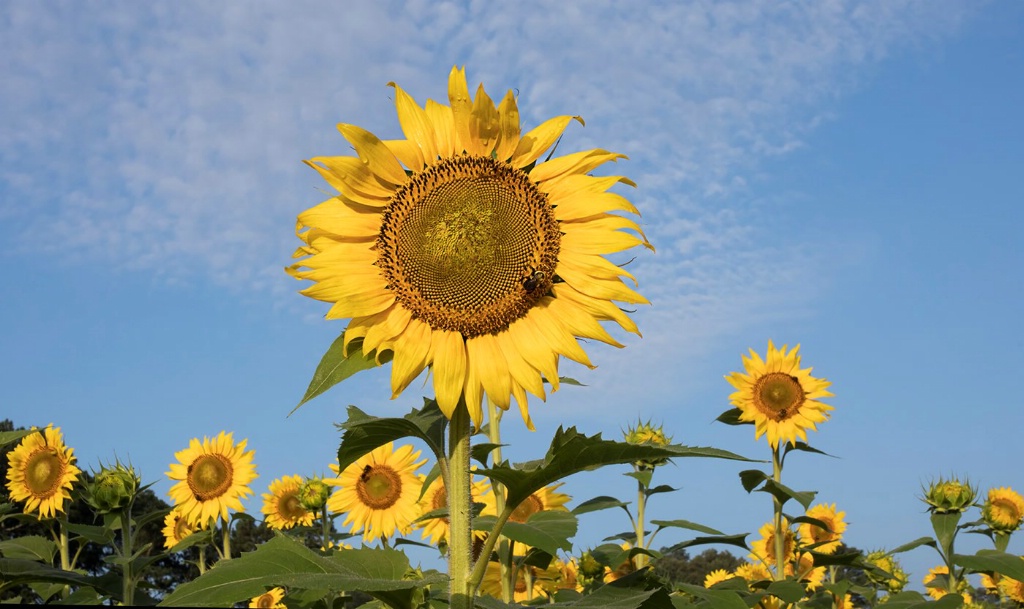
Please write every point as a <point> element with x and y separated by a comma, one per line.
<point>894,579</point>
<point>545,499</point>
<point>491,583</point>
<point>1003,510</point>
<point>1012,588</point>
<point>763,549</point>
<point>282,507</point>
<point>176,528</point>
<point>271,599</point>
<point>829,539</point>
<point>939,578</point>
<point>779,397</point>
<point>458,250</point>
<point>717,576</point>
<point>212,476</point>
<point>435,497</point>
<point>379,491</point>
<point>41,471</point>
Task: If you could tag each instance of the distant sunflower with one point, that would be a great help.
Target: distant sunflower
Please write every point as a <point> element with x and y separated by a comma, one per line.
<point>940,575</point>
<point>1012,588</point>
<point>213,476</point>
<point>1003,510</point>
<point>828,538</point>
<point>271,599</point>
<point>753,572</point>
<point>764,549</point>
<point>717,576</point>
<point>457,250</point>
<point>778,397</point>
<point>281,505</point>
<point>545,499</point>
<point>435,497</point>
<point>176,528</point>
<point>41,471</point>
<point>491,583</point>
<point>379,491</point>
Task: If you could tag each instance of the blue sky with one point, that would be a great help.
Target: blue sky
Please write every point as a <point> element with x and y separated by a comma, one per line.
<point>842,175</point>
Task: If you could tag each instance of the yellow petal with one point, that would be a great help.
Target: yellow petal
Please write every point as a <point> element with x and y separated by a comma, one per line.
<point>601,309</point>
<point>523,374</point>
<point>336,217</point>
<point>411,350</point>
<point>597,287</point>
<point>570,164</point>
<point>386,326</point>
<point>555,333</point>
<point>444,128</point>
<point>374,154</point>
<point>416,124</point>
<point>579,323</point>
<point>462,108</point>
<point>360,304</point>
<point>539,139</point>
<point>600,241</point>
<point>449,368</point>
<point>493,370</point>
<point>533,346</point>
<point>524,408</point>
<point>349,176</point>
<point>508,126</point>
<point>483,125</point>
<point>407,152</point>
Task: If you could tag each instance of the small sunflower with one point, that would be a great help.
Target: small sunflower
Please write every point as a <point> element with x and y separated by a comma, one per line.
<point>379,491</point>
<point>716,577</point>
<point>282,506</point>
<point>1012,588</point>
<point>753,572</point>
<point>829,539</point>
<point>568,575</point>
<point>271,599</point>
<point>778,397</point>
<point>435,530</point>
<point>1003,510</point>
<point>176,528</point>
<point>213,476</point>
<point>41,471</point>
<point>546,498</point>
<point>458,250</point>
<point>763,549</point>
<point>491,583</point>
<point>940,575</point>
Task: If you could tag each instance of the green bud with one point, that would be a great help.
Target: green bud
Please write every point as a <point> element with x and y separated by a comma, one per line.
<point>948,496</point>
<point>590,568</point>
<point>113,488</point>
<point>313,494</point>
<point>649,435</point>
<point>894,579</point>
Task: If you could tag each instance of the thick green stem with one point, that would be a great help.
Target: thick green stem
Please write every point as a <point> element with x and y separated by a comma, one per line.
<point>128,581</point>
<point>325,530</point>
<point>780,535</point>
<point>641,503</point>
<point>65,554</point>
<point>498,489</point>
<point>227,540</point>
<point>460,546</point>
<point>202,559</point>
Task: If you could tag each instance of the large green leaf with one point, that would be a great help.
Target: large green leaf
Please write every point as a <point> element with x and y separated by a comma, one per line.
<point>25,571</point>
<point>945,527</point>
<point>740,541</point>
<point>31,547</point>
<point>572,452</point>
<point>599,503</point>
<point>914,600</point>
<point>992,561</point>
<point>685,524</point>
<point>363,432</point>
<point>549,530</point>
<point>334,367</point>
<point>910,545</point>
<point>282,561</point>
<point>717,599</point>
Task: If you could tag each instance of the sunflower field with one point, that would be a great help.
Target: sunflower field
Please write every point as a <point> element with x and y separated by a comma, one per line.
<point>478,253</point>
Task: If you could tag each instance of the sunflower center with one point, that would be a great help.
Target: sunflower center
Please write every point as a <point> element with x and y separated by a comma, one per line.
<point>778,395</point>
<point>265,600</point>
<point>209,476</point>
<point>44,471</point>
<point>1005,511</point>
<point>531,505</point>
<point>379,487</point>
<point>181,529</point>
<point>289,508</point>
<point>439,500</point>
<point>469,245</point>
<point>819,534</point>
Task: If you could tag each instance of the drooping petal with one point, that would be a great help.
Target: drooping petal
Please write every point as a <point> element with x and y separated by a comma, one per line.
<point>449,369</point>
<point>539,139</point>
<point>374,154</point>
<point>411,348</point>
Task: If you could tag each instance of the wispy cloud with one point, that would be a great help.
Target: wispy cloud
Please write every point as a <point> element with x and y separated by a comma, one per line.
<point>166,138</point>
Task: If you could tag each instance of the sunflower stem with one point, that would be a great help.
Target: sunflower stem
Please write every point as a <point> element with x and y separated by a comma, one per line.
<point>641,503</point>
<point>780,535</point>
<point>325,530</point>
<point>227,540</point>
<point>504,547</point>
<point>492,537</point>
<point>202,559</point>
<point>128,577</point>
<point>65,552</point>
<point>460,549</point>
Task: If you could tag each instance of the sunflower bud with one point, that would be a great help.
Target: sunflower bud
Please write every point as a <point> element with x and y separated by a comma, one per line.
<point>1003,510</point>
<point>896,579</point>
<point>948,496</point>
<point>648,435</point>
<point>313,494</point>
<point>113,488</point>
<point>590,568</point>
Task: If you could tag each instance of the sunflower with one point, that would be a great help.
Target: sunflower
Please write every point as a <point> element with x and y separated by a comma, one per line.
<point>753,572</point>
<point>1012,588</point>
<point>176,528</point>
<point>379,491</point>
<point>1003,510</point>
<point>282,506</point>
<point>271,599</point>
<point>778,397</point>
<point>829,539</point>
<point>435,497</point>
<point>41,471</point>
<point>546,498</point>
<point>940,575</point>
<point>456,250</point>
<point>763,549</point>
<point>717,576</point>
<point>491,583</point>
<point>212,476</point>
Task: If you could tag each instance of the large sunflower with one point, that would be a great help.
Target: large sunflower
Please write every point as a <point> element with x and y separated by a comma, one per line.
<point>456,250</point>
<point>778,397</point>
<point>212,476</point>
<point>379,491</point>
<point>281,506</point>
<point>41,471</point>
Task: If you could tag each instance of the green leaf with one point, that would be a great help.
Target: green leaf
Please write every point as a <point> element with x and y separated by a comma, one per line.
<point>663,488</point>
<point>914,600</point>
<point>96,534</point>
<point>283,561</point>
<point>717,599</point>
<point>363,433</point>
<point>783,493</point>
<point>740,541</point>
<point>31,547</point>
<point>990,561</point>
<point>910,545</point>
<point>572,452</point>
<point>805,447</point>
<point>845,558</point>
<point>686,524</point>
<point>549,530</point>
<point>10,437</point>
<point>732,417</point>
<point>751,478</point>
<point>788,590</point>
<point>603,502</point>
<point>334,367</point>
<point>643,476</point>
<point>24,571</point>
<point>482,452</point>
<point>945,527</point>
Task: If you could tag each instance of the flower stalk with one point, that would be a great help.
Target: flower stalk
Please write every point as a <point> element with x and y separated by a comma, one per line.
<point>460,548</point>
